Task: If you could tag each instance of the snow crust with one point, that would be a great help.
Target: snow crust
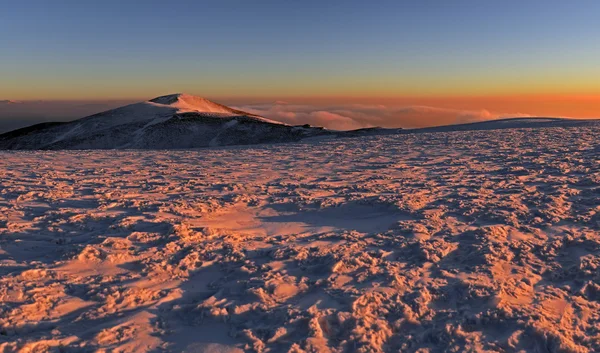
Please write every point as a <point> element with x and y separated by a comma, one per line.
<point>476,241</point>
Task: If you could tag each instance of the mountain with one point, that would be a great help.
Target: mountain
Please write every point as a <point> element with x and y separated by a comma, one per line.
<point>166,122</point>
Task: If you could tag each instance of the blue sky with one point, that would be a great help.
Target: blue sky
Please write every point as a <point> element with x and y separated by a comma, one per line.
<point>113,49</point>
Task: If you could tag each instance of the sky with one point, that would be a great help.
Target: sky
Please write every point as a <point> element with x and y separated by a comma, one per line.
<point>477,58</point>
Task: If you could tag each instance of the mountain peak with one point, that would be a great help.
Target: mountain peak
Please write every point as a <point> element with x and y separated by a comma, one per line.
<point>176,97</point>
<point>189,103</point>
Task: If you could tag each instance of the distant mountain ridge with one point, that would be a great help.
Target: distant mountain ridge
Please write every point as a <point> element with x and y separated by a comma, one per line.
<point>182,121</point>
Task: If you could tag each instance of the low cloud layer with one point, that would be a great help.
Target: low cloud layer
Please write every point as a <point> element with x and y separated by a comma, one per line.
<point>15,114</point>
<point>356,116</point>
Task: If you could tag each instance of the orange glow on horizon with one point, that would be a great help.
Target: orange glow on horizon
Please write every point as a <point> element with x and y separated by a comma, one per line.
<point>573,106</point>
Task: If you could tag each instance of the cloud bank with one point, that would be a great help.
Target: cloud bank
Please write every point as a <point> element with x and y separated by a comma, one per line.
<point>356,116</point>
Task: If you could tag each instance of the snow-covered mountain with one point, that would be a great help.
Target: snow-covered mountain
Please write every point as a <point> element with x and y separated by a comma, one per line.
<point>167,122</point>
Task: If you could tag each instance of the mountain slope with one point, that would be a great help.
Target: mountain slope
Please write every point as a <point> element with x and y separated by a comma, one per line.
<point>509,123</point>
<point>172,121</point>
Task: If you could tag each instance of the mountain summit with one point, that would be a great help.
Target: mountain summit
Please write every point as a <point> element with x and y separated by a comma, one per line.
<point>186,103</point>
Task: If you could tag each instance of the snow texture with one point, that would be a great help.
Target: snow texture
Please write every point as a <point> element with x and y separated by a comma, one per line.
<point>478,241</point>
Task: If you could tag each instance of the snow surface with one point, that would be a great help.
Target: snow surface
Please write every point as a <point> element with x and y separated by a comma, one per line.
<point>480,241</point>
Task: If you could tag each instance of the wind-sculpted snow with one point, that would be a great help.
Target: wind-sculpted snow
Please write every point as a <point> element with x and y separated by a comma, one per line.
<point>480,241</point>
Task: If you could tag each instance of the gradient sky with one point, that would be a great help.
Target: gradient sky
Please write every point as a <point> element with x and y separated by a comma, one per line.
<point>461,54</point>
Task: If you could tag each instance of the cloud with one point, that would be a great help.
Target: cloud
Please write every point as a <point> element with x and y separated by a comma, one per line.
<point>356,116</point>
<point>305,114</point>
